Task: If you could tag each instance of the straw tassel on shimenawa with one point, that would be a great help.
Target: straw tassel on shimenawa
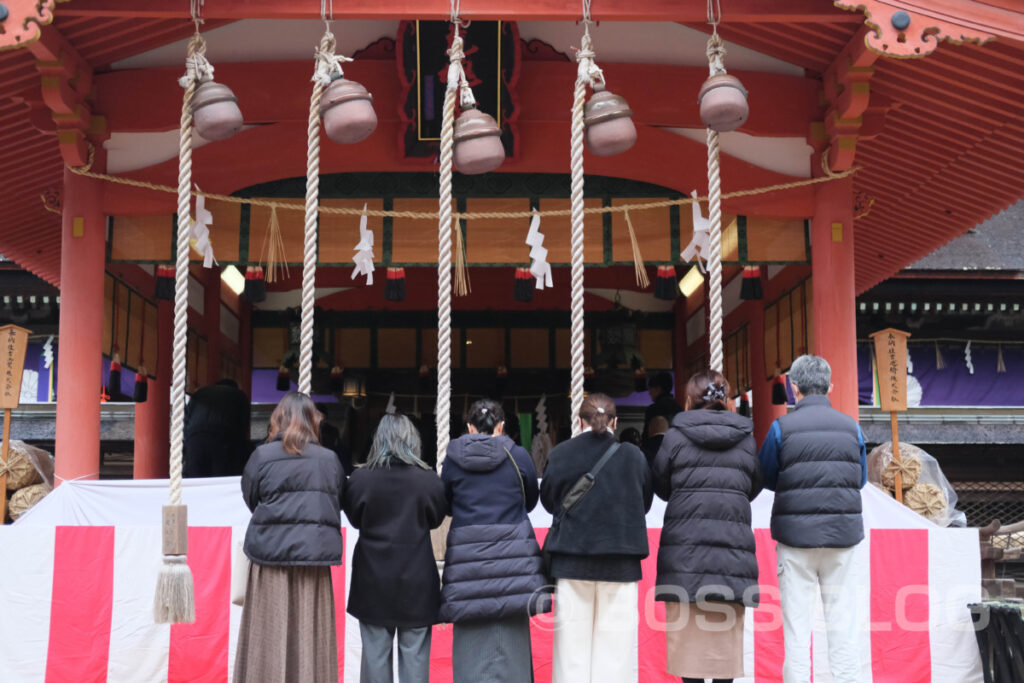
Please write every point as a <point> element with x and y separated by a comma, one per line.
<point>174,602</point>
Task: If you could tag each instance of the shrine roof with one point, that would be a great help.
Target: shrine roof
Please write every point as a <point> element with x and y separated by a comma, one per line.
<point>946,159</point>
<point>996,244</point>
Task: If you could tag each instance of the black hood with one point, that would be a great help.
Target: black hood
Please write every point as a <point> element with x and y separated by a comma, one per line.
<point>716,430</point>
<point>479,452</point>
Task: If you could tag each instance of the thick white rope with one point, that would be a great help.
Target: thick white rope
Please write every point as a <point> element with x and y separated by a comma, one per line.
<point>179,350</point>
<point>327,65</point>
<point>588,73</point>
<point>442,411</point>
<point>715,252</point>
<point>716,66</point>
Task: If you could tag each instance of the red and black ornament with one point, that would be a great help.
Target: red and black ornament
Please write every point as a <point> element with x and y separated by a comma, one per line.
<point>255,289</point>
<point>114,377</point>
<point>524,285</point>
<point>751,287</point>
<point>165,283</point>
<point>141,391</point>
<point>284,380</point>
<point>665,284</point>
<point>394,287</point>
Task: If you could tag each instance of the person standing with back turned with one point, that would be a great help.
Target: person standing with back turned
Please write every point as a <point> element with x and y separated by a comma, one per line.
<point>596,546</point>
<point>815,460</point>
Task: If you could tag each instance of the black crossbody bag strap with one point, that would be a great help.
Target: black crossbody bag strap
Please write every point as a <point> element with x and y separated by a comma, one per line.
<point>519,475</point>
<point>586,482</point>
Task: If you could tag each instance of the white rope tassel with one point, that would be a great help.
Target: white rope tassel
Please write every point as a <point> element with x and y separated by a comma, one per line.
<point>444,259</point>
<point>715,249</point>
<point>174,600</point>
<point>585,76</point>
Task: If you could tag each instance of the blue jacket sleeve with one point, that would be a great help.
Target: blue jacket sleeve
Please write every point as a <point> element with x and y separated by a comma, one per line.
<point>769,457</point>
<point>863,458</point>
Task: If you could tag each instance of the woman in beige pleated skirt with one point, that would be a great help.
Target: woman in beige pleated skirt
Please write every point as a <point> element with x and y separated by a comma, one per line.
<point>707,470</point>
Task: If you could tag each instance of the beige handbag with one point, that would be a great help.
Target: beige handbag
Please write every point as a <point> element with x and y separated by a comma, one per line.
<point>240,565</point>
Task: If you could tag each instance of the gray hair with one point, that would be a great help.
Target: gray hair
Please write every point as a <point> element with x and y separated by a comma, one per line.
<point>811,374</point>
<point>396,438</point>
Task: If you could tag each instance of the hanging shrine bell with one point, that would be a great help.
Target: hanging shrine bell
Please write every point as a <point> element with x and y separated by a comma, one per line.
<point>478,147</point>
<point>215,111</point>
<point>609,123</point>
<point>723,103</point>
<point>347,112</point>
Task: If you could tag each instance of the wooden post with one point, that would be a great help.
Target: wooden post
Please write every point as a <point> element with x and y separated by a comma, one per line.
<point>891,359</point>
<point>13,342</point>
<point>898,479</point>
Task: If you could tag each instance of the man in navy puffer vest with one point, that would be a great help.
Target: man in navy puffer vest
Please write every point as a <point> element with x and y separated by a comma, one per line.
<point>815,460</point>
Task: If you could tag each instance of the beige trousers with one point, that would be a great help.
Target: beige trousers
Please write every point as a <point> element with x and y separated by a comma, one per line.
<point>596,625</point>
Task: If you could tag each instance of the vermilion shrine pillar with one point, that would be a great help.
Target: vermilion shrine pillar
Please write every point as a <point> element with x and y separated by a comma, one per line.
<point>153,418</point>
<point>834,308</point>
<point>764,413</point>
<point>79,352</point>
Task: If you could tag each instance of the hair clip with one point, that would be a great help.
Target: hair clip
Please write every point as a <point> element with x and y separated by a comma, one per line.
<point>483,410</point>
<point>600,410</point>
<point>714,392</point>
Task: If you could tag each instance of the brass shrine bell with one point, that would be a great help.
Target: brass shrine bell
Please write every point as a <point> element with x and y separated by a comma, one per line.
<point>478,147</point>
<point>347,112</point>
<point>723,103</point>
<point>609,124</point>
<point>215,111</point>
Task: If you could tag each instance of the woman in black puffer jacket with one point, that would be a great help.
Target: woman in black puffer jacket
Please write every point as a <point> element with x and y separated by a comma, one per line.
<point>493,573</point>
<point>707,470</point>
<point>294,488</point>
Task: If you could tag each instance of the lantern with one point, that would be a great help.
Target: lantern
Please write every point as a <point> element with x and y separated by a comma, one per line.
<point>215,111</point>
<point>478,147</point>
<point>609,123</point>
<point>347,111</point>
<point>723,103</point>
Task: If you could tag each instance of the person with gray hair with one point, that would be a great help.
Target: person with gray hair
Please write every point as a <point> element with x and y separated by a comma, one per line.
<point>815,460</point>
<point>395,500</point>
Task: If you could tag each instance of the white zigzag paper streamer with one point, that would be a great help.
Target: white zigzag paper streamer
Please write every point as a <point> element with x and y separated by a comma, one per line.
<point>539,266</point>
<point>48,352</point>
<point>701,234</point>
<point>967,358</point>
<point>364,251</point>
<point>200,231</point>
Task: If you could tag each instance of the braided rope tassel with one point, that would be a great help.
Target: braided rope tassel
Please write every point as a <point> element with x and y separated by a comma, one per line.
<point>444,276</point>
<point>715,247</point>
<point>174,601</point>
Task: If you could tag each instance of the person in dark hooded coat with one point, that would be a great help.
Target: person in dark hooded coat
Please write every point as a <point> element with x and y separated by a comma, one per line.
<point>493,574</point>
<point>707,470</point>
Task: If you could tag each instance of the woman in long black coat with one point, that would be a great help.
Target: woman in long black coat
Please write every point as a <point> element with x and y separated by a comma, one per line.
<point>493,572</point>
<point>707,470</point>
<point>394,501</point>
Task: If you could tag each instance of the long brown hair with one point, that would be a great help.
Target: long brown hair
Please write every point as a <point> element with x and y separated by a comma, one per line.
<point>296,421</point>
<point>597,411</point>
<point>707,390</point>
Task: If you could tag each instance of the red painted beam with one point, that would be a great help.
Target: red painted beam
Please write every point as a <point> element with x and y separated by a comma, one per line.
<point>753,11</point>
<point>660,95</point>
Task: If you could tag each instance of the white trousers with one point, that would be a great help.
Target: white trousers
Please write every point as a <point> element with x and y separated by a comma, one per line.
<point>596,625</point>
<point>837,572</point>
